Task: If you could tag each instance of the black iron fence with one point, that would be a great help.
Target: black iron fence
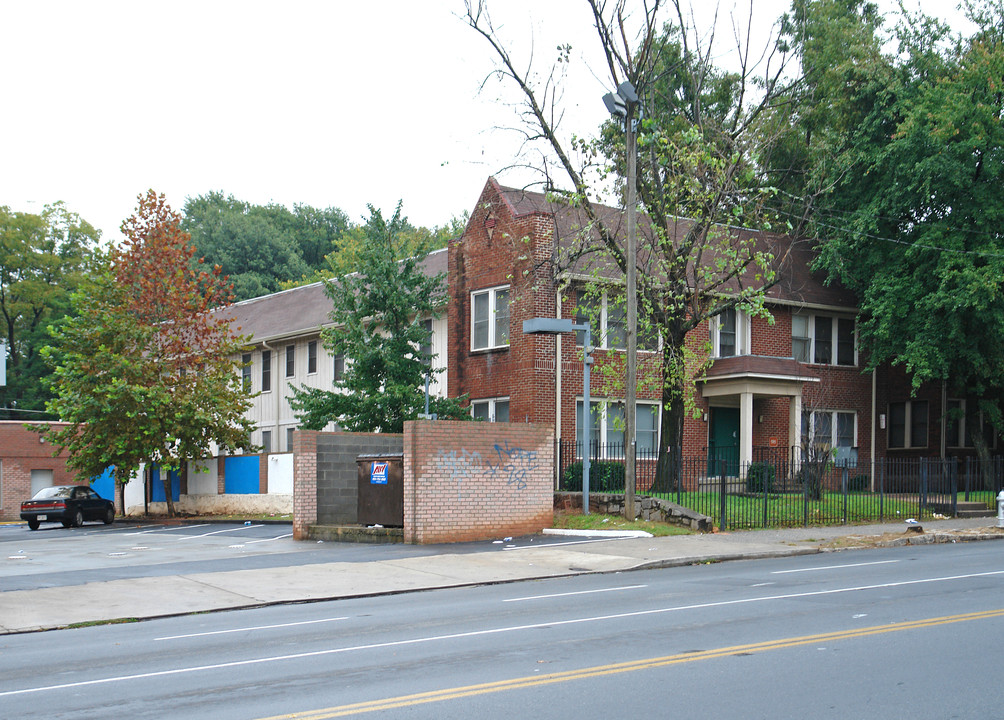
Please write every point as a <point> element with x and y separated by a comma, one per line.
<point>781,489</point>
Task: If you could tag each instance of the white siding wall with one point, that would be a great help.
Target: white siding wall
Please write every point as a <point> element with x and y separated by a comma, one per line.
<point>271,412</point>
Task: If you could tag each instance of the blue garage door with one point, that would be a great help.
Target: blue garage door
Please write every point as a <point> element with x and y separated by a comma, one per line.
<point>241,475</point>
<point>104,484</point>
<point>157,491</point>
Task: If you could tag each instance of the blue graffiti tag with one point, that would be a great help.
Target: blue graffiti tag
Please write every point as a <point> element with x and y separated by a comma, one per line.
<point>514,464</point>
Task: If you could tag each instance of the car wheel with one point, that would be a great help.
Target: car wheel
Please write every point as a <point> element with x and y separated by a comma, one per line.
<point>33,524</point>
<point>78,518</point>
<point>109,516</point>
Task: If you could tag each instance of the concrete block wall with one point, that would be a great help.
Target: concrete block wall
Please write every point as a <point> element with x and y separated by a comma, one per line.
<point>337,488</point>
<point>475,481</point>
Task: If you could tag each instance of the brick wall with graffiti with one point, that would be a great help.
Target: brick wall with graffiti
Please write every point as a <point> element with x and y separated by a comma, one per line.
<point>467,481</point>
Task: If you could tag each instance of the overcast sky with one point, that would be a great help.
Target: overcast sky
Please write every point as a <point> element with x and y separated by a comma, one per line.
<point>331,103</point>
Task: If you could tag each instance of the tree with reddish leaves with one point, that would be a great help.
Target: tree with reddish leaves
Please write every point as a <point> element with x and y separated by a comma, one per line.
<point>145,370</point>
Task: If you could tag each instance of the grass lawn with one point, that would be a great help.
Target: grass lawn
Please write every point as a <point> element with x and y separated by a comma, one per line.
<point>790,510</point>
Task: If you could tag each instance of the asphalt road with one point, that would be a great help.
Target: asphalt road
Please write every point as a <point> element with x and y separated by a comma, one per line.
<point>870,634</point>
<point>54,556</point>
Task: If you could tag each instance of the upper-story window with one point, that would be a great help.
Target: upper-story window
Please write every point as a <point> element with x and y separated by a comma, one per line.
<point>490,318</point>
<point>311,357</point>
<point>607,320</point>
<point>246,371</point>
<point>266,370</point>
<point>823,339</point>
<point>338,367</point>
<point>730,333</point>
<point>290,360</point>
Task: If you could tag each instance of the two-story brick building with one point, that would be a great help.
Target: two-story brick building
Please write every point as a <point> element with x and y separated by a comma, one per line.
<point>771,384</point>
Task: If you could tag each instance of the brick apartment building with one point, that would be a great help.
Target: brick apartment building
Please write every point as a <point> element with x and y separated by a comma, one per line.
<point>770,384</point>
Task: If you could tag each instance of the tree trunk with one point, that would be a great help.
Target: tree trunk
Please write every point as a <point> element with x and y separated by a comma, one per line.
<point>166,480</point>
<point>669,467</point>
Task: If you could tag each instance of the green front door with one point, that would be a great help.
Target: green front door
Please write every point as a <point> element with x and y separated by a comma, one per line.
<point>723,442</point>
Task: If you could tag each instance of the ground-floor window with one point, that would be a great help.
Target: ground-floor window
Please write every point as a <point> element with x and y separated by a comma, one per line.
<point>830,432</point>
<point>607,427</point>
<point>491,409</point>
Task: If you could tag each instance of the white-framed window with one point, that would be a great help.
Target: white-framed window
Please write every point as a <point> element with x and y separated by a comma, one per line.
<point>266,371</point>
<point>246,371</point>
<point>311,357</point>
<point>826,430</point>
<point>908,424</point>
<point>490,318</point>
<point>491,409</point>
<point>289,439</point>
<point>963,421</point>
<point>607,318</point>
<point>607,427</point>
<point>823,339</point>
<point>730,334</point>
<point>266,441</point>
<point>338,367</point>
<point>290,360</point>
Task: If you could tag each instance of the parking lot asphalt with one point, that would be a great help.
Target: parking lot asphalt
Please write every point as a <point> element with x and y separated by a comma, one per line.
<point>63,577</point>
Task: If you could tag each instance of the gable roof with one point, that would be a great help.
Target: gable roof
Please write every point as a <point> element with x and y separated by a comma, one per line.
<point>798,284</point>
<point>301,310</point>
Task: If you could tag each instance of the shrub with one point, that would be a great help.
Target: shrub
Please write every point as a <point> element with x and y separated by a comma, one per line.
<point>858,483</point>
<point>604,476</point>
<point>760,477</point>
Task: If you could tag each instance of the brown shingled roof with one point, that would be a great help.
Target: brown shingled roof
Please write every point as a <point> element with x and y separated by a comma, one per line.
<point>798,284</point>
<point>300,310</point>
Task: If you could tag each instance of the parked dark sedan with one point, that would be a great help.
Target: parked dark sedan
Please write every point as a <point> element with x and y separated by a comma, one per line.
<point>68,504</point>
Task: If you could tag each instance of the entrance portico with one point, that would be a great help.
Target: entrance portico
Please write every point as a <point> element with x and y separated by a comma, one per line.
<point>737,381</point>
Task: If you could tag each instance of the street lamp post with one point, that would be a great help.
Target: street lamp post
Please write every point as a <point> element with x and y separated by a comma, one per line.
<point>624,103</point>
<point>555,326</point>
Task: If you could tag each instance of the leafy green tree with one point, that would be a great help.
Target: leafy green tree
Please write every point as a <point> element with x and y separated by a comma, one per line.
<point>42,260</point>
<point>143,370</point>
<point>260,247</point>
<point>907,193</point>
<point>378,317</point>
<point>704,143</point>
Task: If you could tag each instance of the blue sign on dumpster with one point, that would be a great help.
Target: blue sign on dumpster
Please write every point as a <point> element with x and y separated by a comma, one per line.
<point>378,473</point>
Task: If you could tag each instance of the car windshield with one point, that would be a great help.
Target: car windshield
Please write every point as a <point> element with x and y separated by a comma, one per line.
<point>53,492</point>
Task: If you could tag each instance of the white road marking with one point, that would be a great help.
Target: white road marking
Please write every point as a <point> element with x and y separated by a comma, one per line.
<point>277,537</point>
<point>217,532</point>
<point>167,529</point>
<point>246,629</point>
<point>491,631</point>
<point>580,592</point>
<point>833,567</point>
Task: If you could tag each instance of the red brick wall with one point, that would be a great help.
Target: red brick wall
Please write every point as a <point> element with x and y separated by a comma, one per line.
<point>468,481</point>
<point>304,482</point>
<point>20,453</point>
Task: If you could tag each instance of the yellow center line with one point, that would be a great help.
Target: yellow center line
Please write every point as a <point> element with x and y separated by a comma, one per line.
<point>631,666</point>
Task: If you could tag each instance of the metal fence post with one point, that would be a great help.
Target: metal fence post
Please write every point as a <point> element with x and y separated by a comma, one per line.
<point>843,487</point>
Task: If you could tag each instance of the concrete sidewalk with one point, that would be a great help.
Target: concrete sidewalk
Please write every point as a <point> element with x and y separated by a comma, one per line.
<point>151,597</point>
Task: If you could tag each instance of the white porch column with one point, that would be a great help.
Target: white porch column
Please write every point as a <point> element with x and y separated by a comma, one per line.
<point>745,431</point>
<point>795,425</point>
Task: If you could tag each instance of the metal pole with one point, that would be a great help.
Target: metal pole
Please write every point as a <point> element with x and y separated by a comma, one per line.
<point>587,423</point>
<point>630,410</point>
